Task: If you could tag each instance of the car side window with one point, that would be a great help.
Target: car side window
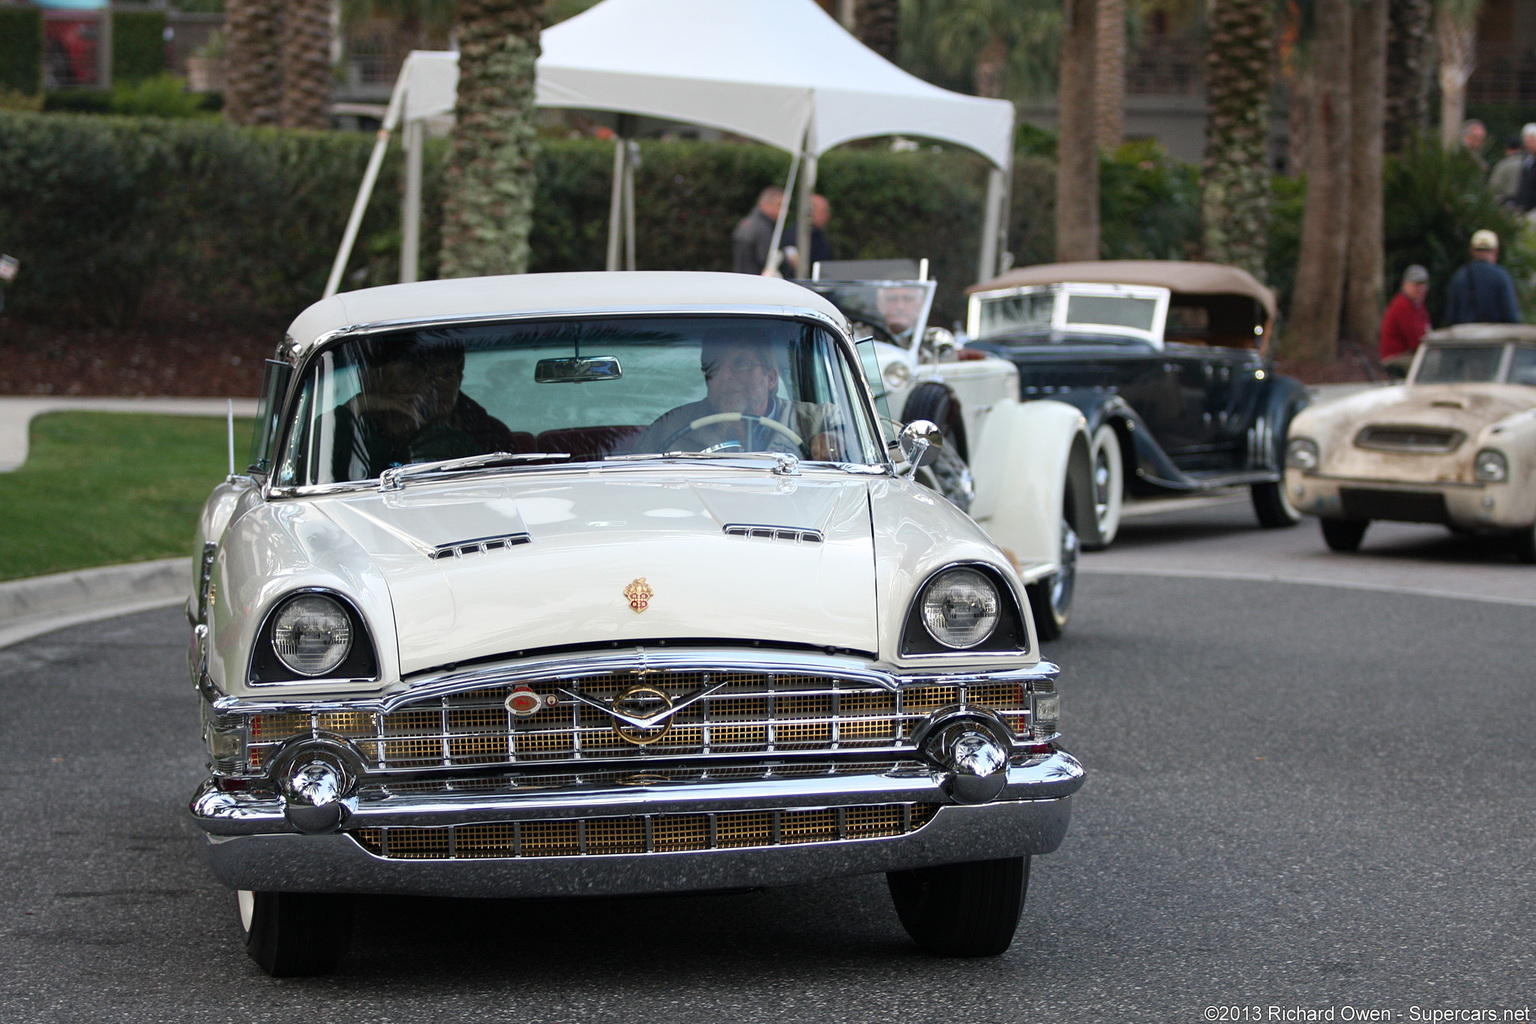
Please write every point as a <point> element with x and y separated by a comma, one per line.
<point>1522,367</point>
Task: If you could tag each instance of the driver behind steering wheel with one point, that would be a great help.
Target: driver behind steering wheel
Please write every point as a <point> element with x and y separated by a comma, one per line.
<point>741,409</point>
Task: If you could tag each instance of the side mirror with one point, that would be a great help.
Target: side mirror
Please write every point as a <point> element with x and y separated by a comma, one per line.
<point>920,441</point>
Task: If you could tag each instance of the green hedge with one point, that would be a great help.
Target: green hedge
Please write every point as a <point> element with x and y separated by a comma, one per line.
<point>107,212</point>
<point>138,45</point>
<point>21,49</point>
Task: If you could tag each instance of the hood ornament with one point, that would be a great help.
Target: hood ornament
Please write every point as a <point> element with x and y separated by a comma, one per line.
<point>639,594</point>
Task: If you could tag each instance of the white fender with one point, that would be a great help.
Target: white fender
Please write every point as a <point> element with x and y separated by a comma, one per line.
<point>1020,466</point>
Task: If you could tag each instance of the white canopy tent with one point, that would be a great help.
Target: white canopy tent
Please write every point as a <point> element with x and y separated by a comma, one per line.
<point>780,71</point>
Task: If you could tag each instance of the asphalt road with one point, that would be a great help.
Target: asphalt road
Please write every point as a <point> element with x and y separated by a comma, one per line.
<point>1302,800</point>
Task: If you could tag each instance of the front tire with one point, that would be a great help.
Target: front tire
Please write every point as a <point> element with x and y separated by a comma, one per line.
<point>1050,599</point>
<point>1344,534</point>
<point>295,934</point>
<point>1273,507</point>
<point>962,910</point>
<point>1525,545</point>
<point>936,403</point>
<point>1108,486</point>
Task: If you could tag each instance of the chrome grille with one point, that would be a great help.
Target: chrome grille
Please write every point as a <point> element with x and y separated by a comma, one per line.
<point>480,545</point>
<point>744,713</point>
<point>792,534</point>
<point>642,833</point>
<point>1430,440</point>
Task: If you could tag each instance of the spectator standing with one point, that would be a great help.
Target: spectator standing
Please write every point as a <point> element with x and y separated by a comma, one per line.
<point>753,237</point>
<point>1525,198</point>
<point>821,214</point>
<point>1482,291</point>
<point>1504,179</point>
<point>1474,135</point>
<point>1405,322</point>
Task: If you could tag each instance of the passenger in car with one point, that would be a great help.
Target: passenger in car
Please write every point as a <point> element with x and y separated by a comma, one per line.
<point>410,409</point>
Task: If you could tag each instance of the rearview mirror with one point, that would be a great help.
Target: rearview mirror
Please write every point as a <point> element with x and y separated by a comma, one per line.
<point>577,369</point>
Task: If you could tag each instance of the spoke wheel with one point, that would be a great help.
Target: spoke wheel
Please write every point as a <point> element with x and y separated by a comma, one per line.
<point>962,910</point>
<point>295,934</point>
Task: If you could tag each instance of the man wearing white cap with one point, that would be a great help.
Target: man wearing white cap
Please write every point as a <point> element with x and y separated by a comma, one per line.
<point>1482,291</point>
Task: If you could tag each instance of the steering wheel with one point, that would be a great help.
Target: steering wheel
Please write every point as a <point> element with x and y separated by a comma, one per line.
<point>731,417</point>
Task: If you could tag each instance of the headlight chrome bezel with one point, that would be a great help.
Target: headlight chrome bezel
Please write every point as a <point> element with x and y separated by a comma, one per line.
<point>1490,466</point>
<point>1006,635</point>
<point>1303,453</point>
<point>268,666</point>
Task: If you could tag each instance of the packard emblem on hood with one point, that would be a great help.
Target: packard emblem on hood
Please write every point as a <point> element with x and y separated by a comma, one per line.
<point>639,594</point>
<point>523,702</point>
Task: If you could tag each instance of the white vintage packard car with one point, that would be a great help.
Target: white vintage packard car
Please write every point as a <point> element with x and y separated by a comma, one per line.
<point>582,584</point>
<point>1455,445</point>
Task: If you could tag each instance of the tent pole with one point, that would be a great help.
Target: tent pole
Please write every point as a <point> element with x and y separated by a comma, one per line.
<point>631,161</point>
<point>616,202</point>
<point>775,255</point>
<point>410,211</point>
<point>370,176</point>
<point>803,217</point>
<point>994,225</point>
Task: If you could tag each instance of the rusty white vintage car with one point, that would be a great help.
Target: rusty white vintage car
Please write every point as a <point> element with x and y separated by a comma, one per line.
<point>1455,445</point>
<point>583,584</point>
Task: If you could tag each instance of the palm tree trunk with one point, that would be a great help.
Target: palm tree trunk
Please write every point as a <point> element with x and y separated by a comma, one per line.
<point>1109,77</point>
<point>1409,38</point>
<point>306,64</point>
<point>1456,32</point>
<point>253,77</point>
<point>1317,302</point>
<point>1240,60</point>
<point>1077,157</point>
<point>488,200</point>
<point>1362,300</point>
<point>877,25</point>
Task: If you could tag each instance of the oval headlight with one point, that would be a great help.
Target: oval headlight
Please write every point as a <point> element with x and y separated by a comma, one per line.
<point>1302,454</point>
<point>312,634</point>
<point>960,608</point>
<point>1490,466</point>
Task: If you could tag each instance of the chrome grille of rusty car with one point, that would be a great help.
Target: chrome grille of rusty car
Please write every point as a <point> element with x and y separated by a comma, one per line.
<point>643,833</point>
<point>654,715</point>
<point>1428,440</point>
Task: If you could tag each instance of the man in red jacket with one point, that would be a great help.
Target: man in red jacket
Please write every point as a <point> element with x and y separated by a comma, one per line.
<point>1404,322</point>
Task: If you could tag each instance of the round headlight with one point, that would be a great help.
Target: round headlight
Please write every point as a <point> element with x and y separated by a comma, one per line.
<point>896,375</point>
<point>960,608</point>
<point>312,634</point>
<point>1491,467</point>
<point>1302,454</point>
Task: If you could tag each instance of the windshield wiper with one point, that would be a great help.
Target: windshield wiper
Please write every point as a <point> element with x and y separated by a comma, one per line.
<point>394,478</point>
<point>785,464</point>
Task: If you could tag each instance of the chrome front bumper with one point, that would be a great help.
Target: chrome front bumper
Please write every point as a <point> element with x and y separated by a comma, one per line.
<point>252,845</point>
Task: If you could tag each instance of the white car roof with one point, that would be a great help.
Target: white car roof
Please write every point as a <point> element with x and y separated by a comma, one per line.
<point>1473,333</point>
<point>487,297</point>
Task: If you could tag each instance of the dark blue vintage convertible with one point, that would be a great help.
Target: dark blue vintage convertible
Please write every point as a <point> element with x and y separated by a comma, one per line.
<point>1168,361</point>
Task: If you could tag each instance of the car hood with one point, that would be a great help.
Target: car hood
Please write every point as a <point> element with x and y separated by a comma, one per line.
<point>485,568</point>
<point>1468,408</point>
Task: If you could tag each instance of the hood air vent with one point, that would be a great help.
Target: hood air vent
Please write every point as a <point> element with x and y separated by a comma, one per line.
<point>793,534</point>
<point>480,546</point>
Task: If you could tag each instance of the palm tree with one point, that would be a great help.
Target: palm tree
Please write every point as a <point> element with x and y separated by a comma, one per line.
<point>1109,76</point>
<point>253,76</point>
<point>1409,36</point>
<point>1319,296</point>
<point>1362,299</point>
<point>994,42</point>
<point>1456,32</point>
<point>1234,187</point>
<point>305,38</point>
<point>1077,156</point>
<point>488,200</point>
<point>877,24</point>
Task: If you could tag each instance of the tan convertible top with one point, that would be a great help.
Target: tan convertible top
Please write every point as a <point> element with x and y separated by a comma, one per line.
<point>1176,275</point>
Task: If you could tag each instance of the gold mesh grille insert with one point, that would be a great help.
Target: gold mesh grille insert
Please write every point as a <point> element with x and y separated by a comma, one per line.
<point>747,713</point>
<point>669,833</point>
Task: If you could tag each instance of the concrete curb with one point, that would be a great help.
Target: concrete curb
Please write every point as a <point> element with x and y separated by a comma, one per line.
<point>41,604</point>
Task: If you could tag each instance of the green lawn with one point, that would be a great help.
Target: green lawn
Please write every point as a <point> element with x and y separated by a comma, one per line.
<point>104,488</point>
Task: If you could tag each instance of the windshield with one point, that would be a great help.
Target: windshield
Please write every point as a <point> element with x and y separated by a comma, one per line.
<point>893,311</point>
<point>1460,364</point>
<point>576,391</point>
<point>1007,314</point>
